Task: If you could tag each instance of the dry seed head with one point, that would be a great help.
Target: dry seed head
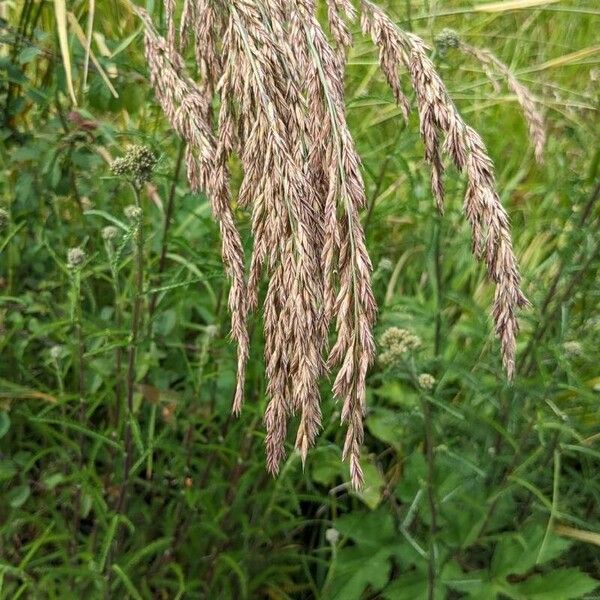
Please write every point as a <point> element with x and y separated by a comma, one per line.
<point>524,96</point>
<point>279,81</point>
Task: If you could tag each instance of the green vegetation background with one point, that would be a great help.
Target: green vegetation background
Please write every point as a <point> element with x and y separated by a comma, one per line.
<point>515,477</point>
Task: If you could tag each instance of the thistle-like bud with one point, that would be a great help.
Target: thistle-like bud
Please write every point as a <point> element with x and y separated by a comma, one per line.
<point>133,213</point>
<point>75,257</point>
<point>4,218</point>
<point>138,163</point>
<point>110,232</point>
<point>446,39</point>
<point>426,381</point>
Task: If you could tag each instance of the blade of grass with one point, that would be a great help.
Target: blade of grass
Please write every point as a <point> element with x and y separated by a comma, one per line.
<point>127,582</point>
<point>88,41</point>
<point>506,5</point>
<point>591,537</point>
<point>60,11</point>
<point>84,42</point>
<point>553,510</point>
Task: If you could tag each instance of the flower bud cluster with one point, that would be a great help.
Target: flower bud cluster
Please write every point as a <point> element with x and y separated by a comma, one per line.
<point>395,343</point>
<point>138,163</point>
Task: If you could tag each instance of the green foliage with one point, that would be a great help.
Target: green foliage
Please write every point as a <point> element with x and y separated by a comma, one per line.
<point>200,517</point>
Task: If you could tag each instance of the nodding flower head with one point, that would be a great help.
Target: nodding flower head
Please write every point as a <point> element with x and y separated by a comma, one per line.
<point>395,343</point>
<point>446,39</point>
<point>110,232</point>
<point>138,163</point>
<point>75,257</point>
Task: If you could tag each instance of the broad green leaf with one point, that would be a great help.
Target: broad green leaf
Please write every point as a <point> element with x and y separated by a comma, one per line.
<point>413,586</point>
<point>355,570</point>
<point>8,469</point>
<point>385,425</point>
<point>560,584</point>
<point>374,483</point>
<point>370,528</point>
<point>18,495</point>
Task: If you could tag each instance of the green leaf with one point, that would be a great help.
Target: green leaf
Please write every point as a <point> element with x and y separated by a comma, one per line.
<point>28,54</point>
<point>52,480</point>
<point>18,495</point>
<point>518,553</point>
<point>371,528</point>
<point>413,477</point>
<point>374,482</point>
<point>385,425</point>
<point>8,469</point>
<point>326,466</point>
<point>560,584</point>
<point>4,423</point>
<point>355,570</point>
<point>474,583</point>
<point>412,586</point>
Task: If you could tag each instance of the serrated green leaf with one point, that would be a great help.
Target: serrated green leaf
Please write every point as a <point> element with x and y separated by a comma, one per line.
<point>560,584</point>
<point>356,570</point>
<point>413,586</point>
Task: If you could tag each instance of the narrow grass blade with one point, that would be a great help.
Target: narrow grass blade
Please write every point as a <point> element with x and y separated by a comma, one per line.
<point>591,537</point>
<point>127,582</point>
<point>88,41</point>
<point>60,11</point>
<point>83,41</point>
<point>504,6</point>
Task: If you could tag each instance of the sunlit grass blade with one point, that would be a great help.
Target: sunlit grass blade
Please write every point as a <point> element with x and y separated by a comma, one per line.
<point>503,6</point>
<point>88,41</point>
<point>60,11</point>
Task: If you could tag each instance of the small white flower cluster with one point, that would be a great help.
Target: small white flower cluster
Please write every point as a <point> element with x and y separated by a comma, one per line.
<point>426,381</point>
<point>396,342</point>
